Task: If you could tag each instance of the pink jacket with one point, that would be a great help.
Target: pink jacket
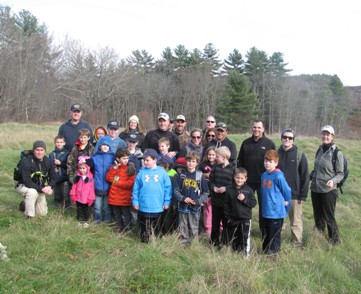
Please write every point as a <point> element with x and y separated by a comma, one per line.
<point>83,189</point>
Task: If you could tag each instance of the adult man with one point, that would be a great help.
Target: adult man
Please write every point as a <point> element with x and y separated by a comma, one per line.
<point>222,140</point>
<point>113,131</point>
<point>294,165</point>
<point>69,130</point>
<point>251,157</point>
<point>37,180</point>
<point>210,123</point>
<point>152,137</point>
<point>180,131</point>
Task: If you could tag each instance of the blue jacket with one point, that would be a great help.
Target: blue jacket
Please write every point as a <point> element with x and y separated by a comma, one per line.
<point>114,144</point>
<point>102,162</point>
<point>275,191</point>
<point>152,190</point>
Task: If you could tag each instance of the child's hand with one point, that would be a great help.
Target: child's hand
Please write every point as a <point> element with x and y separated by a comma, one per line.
<point>136,207</point>
<point>241,196</point>
<point>286,203</point>
<point>189,200</point>
<point>57,162</point>
<point>165,207</point>
<point>221,189</point>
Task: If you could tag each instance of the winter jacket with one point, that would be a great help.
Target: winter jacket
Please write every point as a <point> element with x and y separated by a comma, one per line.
<point>60,170</point>
<point>251,157</point>
<point>75,153</point>
<point>323,170</point>
<point>71,132</point>
<point>82,190</point>
<point>152,190</point>
<point>191,147</point>
<point>140,136</point>
<point>295,170</point>
<point>115,143</point>
<point>220,177</point>
<point>121,185</point>
<point>225,142</point>
<point>235,209</point>
<point>134,158</point>
<point>152,137</point>
<point>275,191</point>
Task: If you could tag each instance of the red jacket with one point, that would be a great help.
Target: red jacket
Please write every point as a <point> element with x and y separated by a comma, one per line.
<point>121,186</point>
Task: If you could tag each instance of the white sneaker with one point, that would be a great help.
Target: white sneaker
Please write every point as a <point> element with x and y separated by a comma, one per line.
<point>79,225</point>
<point>85,225</point>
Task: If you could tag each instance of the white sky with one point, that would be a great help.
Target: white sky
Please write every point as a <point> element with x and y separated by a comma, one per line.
<point>315,36</point>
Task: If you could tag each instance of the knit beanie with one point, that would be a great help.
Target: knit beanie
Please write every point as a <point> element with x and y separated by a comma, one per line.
<point>39,143</point>
<point>134,118</point>
<point>289,130</point>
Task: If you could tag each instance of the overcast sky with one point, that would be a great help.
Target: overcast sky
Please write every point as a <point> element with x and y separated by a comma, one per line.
<point>315,36</point>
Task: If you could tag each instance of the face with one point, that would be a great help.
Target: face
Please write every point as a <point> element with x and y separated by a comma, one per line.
<point>104,148</point>
<point>163,124</point>
<point>171,125</point>
<point>270,165</point>
<point>75,115</point>
<point>180,125</point>
<point>113,133</point>
<point>131,145</point>
<point>133,125</point>
<point>84,139</point>
<point>211,122</point>
<point>220,134</point>
<point>100,133</point>
<point>287,140</point>
<point>211,135</point>
<point>59,143</point>
<point>39,153</point>
<point>123,160</point>
<point>192,164</point>
<point>257,129</point>
<point>240,179</point>
<point>211,156</point>
<point>82,170</point>
<point>220,158</point>
<point>326,137</point>
<point>163,148</point>
<point>196,138</point>
<point>150,162</point>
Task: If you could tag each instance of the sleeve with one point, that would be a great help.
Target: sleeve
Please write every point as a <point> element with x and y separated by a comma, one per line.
<point>176,145</point>
<point>111,174</point>
<point>167,189</point>
<point>227,208</point>
<point>285,190</point>
<point>339,166</point>
<point>127,182</point>
<point>51,172</point>
<point>304,177</point>
<point>91,193</point>
<point>182,153</point>
<point>212,178</point>
<point>177,188</point>
<point>240,161</point>
<point>205,191</point>
<point>26,172</point>
<point>249,200</point>
<point>233,152</point>
<point>146,142</point>
<point>73,192</point>
<point>136,190</point>
<point>71,163</point>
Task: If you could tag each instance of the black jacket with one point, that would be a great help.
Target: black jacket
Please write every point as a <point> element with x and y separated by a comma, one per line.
<point>152,137</point>
<point>295,170</point>
<point>235,209</point>
<point>225,142</point>
<point>220,177</point>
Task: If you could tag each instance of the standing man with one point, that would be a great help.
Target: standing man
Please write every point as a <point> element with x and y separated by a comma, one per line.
<point>69,130</point>
<point>37,180</point>
<point>180,130</point>
<point>210,123</point>
<point>251,157</point>
<point>152,137</point>
<point>222,140</point>
<point>294,165</point>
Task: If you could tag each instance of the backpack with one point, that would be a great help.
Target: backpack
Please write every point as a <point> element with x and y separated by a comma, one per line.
<point>345,167</point>
<point>17,168</point>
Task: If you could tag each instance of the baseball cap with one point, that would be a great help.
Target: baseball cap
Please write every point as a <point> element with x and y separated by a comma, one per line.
<point>329,129</point>
<point>75,107</point>
<point>181,117</point>
<point>163,115</point>
<point>132,138</point>
<point>221,126</point>
<point>165,159</point>
<point>113,124</point>
<point>149,152</point>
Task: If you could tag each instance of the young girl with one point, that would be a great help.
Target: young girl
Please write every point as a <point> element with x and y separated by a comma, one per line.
<point>205,167</point>
<point>82,191</point>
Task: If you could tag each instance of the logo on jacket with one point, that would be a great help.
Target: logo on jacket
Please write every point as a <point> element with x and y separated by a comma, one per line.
<point>267,184</point>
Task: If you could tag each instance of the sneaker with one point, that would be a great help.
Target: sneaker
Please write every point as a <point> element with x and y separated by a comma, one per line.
<point>86,225</point>
<point>79,225</point>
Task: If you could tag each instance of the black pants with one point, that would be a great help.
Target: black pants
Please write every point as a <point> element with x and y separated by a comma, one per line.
<point>61,194</point>
<point>82,212</point>
<point>324,205</point>
<point>272,238</point>
<point>217,218</point>
<point>149,226</point>
<point>239,233</point>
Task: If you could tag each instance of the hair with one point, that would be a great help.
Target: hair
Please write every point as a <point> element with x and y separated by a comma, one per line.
<point>205,141</point>
<point>205,156</point>
<point>164,140</point>
<point>139,129</point>
<point>272,155</point>
<point>166,166</point>
<point>59,137</point>
<point>96,130</point>
<point>258,121</point>
<point>223,151</point>
<point>240,171</point>
<point>121,152</point>
<point>84,132</point>
<point>191,155</point>
<point>196,130</point>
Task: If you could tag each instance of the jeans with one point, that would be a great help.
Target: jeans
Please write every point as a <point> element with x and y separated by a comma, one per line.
<point>102,211</point>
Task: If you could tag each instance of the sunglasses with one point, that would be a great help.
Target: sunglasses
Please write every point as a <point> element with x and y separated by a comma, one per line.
<point>210,121</point>
<point>286,137</point>
<point>213,136</point>
<point>196,137</point>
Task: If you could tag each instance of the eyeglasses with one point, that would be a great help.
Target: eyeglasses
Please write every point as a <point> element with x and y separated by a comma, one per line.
<point>286,137</point>
<point>196,137</point>
<point>213,136</point>
<point>210,121</point>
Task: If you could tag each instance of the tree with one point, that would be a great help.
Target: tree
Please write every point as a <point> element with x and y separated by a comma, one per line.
<point>142,60</point>
<point>211,57</point>
<point>234,62</point>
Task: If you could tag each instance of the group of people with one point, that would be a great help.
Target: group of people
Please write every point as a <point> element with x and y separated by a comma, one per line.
<point>192,182</point>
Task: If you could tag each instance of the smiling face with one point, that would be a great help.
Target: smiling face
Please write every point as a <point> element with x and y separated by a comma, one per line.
<point>163,124</point>
<point>180,125</point>
<point>257,130</point>
<point>133,125</point>
<point>75,116</point>
<point>84,140</point>
<point>270,165</point>
<point>240,179</point>
<point>150,162</point>
<point>287,140</point>
<point>82,169</point>
<point>39,153</point>
<point>211,156</point>
<point>211,122</point>
<point>221,134</point>
<point>59,143</point>
<point>210,135</point>
<point>113,133</point>
<point>326,137</point>
<point>196,138</point>
<point>163,148</point>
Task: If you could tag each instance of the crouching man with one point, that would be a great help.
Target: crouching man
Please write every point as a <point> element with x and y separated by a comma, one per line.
<point>37,179</point>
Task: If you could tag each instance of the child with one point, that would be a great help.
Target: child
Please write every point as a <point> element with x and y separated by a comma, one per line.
<point>238,203</point>
<point>163,146</point>
<point>81,147</point>
<point>220,178</point>
<point>102,160</point>
<point>115,141</point>
<point>121,176</point>
<point>135,153</point>
<point>59,159</point>
<point>99,133</point>
<point>82,192</point>
<point>191,191</point>
<point>276,195</point>
<point>209,160</point>
<point>151,195</point>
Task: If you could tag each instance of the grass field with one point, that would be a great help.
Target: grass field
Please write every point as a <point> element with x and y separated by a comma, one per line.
<point>52,255</point>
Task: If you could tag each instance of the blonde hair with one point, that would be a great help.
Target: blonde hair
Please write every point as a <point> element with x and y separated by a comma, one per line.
<point>164,140</point>
<point>84,132</point>
<point>223,151</point>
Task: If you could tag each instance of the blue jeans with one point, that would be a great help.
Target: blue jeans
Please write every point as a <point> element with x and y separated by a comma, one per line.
<point>102,210</point>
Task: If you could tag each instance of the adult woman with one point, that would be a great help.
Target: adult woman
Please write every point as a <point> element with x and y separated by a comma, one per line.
<point>133,128</point>
<point>324,179</point>
<point>193,145</point>
<point>208,136</point>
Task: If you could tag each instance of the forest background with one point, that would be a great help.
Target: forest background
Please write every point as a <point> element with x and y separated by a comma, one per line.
<point>40,80</point>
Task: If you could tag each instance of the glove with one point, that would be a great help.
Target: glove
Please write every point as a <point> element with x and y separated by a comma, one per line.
<point>90,202</point>
<point>130,170</point>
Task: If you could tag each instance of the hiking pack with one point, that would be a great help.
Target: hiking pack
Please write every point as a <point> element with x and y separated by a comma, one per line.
<point>17,168</point>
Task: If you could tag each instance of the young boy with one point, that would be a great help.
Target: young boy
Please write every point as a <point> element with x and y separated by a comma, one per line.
<point>102,160</point>
<point>59,158</point>
<point>121,176</point>
<point>276,195</point>
<point>82,147</point>
<point>113,132</point>
<point>238,203</point>
<point>151,195</point>
<point>135,153</point>
<point>191,191</point>
<point>220,178</point>
<point>163,146</point>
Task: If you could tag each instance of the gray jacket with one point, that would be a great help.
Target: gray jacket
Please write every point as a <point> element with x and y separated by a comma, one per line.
<point>323,170</point>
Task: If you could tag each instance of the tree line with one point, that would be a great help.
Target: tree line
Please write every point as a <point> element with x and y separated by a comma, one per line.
<point>40,80</point>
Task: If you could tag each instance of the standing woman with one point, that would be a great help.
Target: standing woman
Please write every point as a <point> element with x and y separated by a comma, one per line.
<point>209,135</point>
<point>133,128</point>
<point>324,179</point>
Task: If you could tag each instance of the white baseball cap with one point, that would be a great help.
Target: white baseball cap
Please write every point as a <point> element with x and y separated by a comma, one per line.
<point>328,129</point>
